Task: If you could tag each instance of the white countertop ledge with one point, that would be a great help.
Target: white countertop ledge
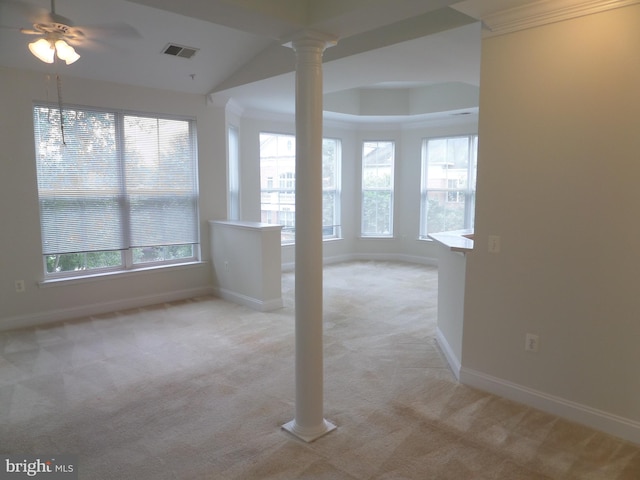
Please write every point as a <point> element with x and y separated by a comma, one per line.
<point>455,240</point>
<point>247,225</point>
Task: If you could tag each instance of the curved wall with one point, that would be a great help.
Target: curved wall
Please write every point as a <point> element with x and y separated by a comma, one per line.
<point>408,137</point>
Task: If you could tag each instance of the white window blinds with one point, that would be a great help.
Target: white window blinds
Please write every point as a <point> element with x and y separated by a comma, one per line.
<point>118,181</point>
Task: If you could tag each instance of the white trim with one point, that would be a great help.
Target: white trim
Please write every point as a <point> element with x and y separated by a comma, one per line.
<point>57,281</point>
<point>544,12</point>
<point>245,300</point>
<point>395,257</point>
<point>381,257</point>
<point>452,360</point>
<point>598,419</point>
<point>52,316</point>
<point>308,435</point>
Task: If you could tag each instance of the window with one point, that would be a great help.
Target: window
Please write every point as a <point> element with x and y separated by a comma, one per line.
<point>331,155</point>
<point>278,183</point>
<point>377,189</point>
<point>233,179</point>
<point>117,191</point>
<point>448,184</point>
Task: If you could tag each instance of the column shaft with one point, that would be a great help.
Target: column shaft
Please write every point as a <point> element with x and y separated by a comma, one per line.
<point>309,422</point>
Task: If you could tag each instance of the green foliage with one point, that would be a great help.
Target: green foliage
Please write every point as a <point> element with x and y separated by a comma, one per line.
<point>69,262</point>
<point>162,253</point>
<point>442,217</point>
<point>376,212</point>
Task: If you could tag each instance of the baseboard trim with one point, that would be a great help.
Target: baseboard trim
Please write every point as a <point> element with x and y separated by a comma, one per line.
<point>381,257</point>
<point>395,257</point>
<point>598,419</point>
<point>452,359</point>
<point>53,316</point>
<point>253,303</point>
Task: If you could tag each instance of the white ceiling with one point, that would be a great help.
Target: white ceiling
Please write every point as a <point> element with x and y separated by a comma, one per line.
<point>390,44</point>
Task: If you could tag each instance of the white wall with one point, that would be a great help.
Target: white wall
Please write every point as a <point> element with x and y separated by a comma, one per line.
<point>20,244</point>
<point>558,181</point>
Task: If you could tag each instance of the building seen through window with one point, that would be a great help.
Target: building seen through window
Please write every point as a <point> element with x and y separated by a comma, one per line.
<point>278,184</point>
<point>448,184</point>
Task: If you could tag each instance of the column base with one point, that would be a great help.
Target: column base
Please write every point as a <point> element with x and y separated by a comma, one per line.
<point>308,434</point>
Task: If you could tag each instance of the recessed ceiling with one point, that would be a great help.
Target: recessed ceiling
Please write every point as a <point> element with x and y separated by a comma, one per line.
<point>386,44</point>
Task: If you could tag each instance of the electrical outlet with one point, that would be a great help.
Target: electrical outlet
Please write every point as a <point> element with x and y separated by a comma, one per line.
<point>20,288</point>
<point>531,342</point>
<point>494,244</point>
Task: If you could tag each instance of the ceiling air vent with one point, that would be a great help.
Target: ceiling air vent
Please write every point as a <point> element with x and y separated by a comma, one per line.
<point>179,50</point>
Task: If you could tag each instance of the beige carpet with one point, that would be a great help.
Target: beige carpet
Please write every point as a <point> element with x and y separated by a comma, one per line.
<point>199,390</point>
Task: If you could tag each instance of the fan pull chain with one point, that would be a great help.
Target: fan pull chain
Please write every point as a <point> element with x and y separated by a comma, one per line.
<point>46,91</point>
<point>59,85</point>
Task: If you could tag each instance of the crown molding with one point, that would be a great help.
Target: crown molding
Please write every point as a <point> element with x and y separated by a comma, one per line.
<point>543,12</point>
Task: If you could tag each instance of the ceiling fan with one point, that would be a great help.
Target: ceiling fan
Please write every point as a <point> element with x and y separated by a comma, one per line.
<point>58,35</point>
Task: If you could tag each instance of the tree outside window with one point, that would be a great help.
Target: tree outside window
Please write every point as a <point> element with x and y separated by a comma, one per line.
<point>116,191</point>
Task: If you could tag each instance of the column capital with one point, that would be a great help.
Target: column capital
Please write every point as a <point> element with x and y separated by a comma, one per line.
<point>310,39</point>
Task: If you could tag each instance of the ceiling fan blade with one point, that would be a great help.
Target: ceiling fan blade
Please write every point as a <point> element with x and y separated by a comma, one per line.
<point>75,33</point>
<point>29,31</point>
<point>87,43</point>
<point>33,13</point>
<point>111,30</point>
<point>9,27</point>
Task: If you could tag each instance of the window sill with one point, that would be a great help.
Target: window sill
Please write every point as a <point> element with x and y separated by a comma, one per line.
<point>60,281</point>
<point>456,241</point>
<point>373,237</point>
<point>332,239</point>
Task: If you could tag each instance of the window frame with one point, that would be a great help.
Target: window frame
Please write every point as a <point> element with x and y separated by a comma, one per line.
<point>233,172</point>
<point>127,262</point>
<point>390,189</point>
<point>284,182</point>
<point>450,194</point>
<point>336,191</point>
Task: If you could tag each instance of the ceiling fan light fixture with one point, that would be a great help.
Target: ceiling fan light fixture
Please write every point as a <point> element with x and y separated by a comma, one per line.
<point>66,52</point>
<point>43,50</point>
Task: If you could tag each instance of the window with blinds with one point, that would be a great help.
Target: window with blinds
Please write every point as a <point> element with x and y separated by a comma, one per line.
<point>116,190</point>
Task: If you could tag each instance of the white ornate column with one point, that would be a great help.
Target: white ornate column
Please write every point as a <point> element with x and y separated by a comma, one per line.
<point>309,423</point>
